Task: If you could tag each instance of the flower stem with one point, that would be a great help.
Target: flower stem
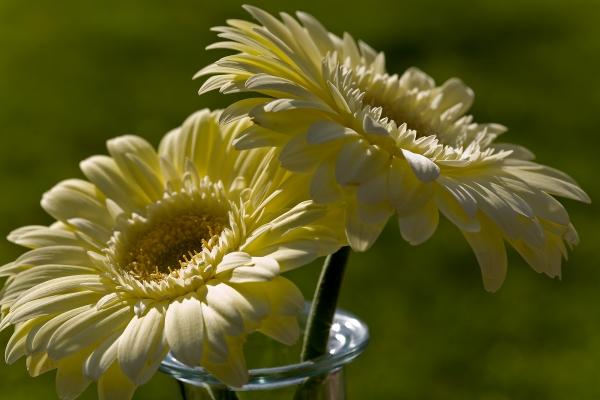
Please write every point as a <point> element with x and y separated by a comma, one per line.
<point>320,319</point>
<point>191,392</point>
<point>181,389</point>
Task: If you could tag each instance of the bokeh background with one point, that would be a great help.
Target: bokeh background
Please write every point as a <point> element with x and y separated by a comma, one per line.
<point>73,74</point>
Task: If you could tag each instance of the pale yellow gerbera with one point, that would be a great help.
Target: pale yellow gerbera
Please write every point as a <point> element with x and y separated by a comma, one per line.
<point>387,144</point>
<point>177,250</point>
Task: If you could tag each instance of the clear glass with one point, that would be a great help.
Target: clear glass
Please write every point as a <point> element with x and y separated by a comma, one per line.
<point>275,372</point>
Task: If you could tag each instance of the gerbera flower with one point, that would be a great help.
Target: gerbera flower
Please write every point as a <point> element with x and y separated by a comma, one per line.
<point>177,250</point>
<point>386,144</point>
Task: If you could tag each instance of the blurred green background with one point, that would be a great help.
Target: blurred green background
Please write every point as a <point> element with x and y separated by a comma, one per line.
<point>73,74</point>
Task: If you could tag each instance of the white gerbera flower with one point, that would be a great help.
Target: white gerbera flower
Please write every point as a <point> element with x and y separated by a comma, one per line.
<point>177,250</point>
<point>386,144</point>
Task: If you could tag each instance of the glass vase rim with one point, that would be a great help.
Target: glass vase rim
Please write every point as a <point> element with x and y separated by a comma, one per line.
<point>346,328</point>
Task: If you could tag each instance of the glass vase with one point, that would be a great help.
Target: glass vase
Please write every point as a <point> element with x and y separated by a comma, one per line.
<point>276,374</point>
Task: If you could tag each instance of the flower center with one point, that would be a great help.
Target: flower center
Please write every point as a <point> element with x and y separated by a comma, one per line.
<point>399,115</point>
<point>396,106</point>
<point>170,244</point>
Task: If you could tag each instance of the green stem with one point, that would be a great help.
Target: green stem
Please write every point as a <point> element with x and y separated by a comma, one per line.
<point>190,392</point>
<point>323,307</point>
<point>181,389</point>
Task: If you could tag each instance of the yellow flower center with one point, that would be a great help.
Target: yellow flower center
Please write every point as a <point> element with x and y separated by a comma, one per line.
<point>169,245</point>
<point>396,104</point>
<point>398,114</point>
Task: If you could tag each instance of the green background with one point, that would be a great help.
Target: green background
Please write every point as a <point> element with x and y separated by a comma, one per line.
<point>73,74</point>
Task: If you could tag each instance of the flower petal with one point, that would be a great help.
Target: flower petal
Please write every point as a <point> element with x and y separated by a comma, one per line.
<point>106,175</point>
<point>70,380</point>
<point>488,246</point>
<point>86,328</point>
<point>103,356</point>
<point>215,328</point>
<point>424,169</point>
<point>184,330</point>
<point>233,260</point>
<point>115,385</point>
<point>417,227</point>
<point>323,186</point>
<point>284,329</point>
<point>361,233</point>
<point>36,236</point>
<point>76,198</point>
<point>325,131</point>
<point>38,364</point>
<point>232,371</point>
<point>142,346</point>
<point>263,269</point>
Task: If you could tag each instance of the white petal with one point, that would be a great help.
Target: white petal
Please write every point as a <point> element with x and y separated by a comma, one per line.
<point>147,177</point>
<point>27,279</point>
<point>35,236</point>
<point>115,385</point>
<point>424,169</point>
<point>454,92</point>
<point>361,234</point>
<point>70,380</point>
<point>104,173</point>
<point>284,329</point>
<point>87,328</point>
<point>415,78</point>
<point>406,192</point>
<point>323,186</point>
<point>263,269</point>
<point>285,297</point>
<point>38,364</point>
<point>298,155</point>
<point>547,207</point>
<point>349,162</point>
<point>256,136</point>
<point>39,337</point>
<point>300,214</point>
<point>317,32</point>
<point>518,152</point>
<point>120,147</point>
<point>280,87</point>
<point>16,346</point>
<point>416,228</point>
<point>232,370</point>
<point>462,195</point>
<point>72,199</point>
<point>489,249</point>
<point>374,190</point>
<point>55,286</point>
<point>240,109</point>
<point>66,255</point>
<point>184,330</point>
<point>325,131</point>
<point>281,105</point>
<point>233,260</point>
<point>294,254</point>
<point>452,209</point>
<point>103,356</point>
<point>547,179</point>
<point>373,127</point>
<point>50,305</point>
<point>215,328</point>
<point>142,347</point>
